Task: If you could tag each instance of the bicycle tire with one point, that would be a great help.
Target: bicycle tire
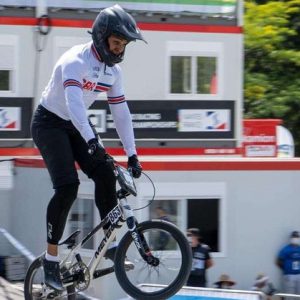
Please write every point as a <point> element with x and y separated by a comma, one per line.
<point>28,282</point>
<point>127,244</point>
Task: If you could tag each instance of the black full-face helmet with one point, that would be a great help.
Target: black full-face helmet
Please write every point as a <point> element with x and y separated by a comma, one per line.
<point>113,21</point>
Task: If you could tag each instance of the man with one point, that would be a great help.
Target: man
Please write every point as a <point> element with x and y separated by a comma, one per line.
<point>224,282</point>
<point>201,259</point>
<point>264,285</point>
<point>61,129</point>
<point>288,260</point>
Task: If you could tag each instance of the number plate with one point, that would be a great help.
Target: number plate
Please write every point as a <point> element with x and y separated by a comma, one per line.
<point>115,215</point>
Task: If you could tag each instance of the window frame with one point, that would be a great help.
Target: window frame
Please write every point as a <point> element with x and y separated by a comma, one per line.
<point>85,191</point>
<point>12,41</point>
<point>195,50</point>
<point>9,79</point>
<point>182,193</point>
<point>85,197</point>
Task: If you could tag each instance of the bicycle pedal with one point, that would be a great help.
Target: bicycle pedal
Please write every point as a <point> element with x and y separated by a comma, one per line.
<point>103,272</point>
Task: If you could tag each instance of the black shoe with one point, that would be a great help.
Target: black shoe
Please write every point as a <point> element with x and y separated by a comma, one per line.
<point>111,253</point>
<point>52,274</point>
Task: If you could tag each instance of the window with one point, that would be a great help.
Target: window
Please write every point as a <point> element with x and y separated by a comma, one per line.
<point>81,217</point>
<point>166,210</point>
<point>8,64</point>
<point>191,204</point>
<point>200,213</point>
<point>180,74</point>
<point>195,70</point>
<point>184,82</point>
<point>204,215</point>
<point>206,75</point>
<point>4,80</point>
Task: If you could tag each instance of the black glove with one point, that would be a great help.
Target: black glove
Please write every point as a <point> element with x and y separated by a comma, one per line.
<point>134,166</point>
<point>95,149</point>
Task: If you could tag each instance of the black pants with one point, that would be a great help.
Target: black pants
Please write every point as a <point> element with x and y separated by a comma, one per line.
<point>61,145</point>
<point>197,281</point>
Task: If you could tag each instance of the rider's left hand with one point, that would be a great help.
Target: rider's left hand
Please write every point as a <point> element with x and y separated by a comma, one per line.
<point>135,166</point>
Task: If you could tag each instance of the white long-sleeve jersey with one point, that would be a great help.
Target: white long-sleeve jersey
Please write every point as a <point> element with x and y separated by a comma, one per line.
<point>77,78</point>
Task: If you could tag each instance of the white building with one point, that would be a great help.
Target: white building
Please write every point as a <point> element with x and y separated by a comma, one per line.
<point>246,209</point>
<point>250,205</point>
<point>193,61</point>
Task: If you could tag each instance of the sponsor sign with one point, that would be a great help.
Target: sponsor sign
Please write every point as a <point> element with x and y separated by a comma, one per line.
<point>10,118</point>
<point>285,142</point>
<point>15,118</point>
<point>260,138</point>
<point>169,119</point>
<point>98,118</point>
<point>203,120</point>
<point>260,150</point>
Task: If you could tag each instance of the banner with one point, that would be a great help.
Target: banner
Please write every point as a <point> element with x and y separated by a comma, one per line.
<point>10,118</point>
<point>260,137</point>
<point>226,7</point>
<point>169,119</point>
<point>15,117</point>
<point>197,120</point>
<point>285,142</point>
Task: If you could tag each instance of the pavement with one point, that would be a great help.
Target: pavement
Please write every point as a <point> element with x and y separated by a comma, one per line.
<point>15,291</point>
<point>11,291</point>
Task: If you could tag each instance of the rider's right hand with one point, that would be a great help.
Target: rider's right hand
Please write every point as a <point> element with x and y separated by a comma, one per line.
<point>95,149</point>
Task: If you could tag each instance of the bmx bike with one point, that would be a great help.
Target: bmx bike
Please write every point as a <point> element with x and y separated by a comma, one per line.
<point>156,272</point>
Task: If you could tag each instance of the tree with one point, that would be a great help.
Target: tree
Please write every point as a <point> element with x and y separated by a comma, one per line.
<point>272,62</point>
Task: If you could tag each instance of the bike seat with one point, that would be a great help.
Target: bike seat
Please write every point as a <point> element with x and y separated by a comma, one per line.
<point>70,241</point>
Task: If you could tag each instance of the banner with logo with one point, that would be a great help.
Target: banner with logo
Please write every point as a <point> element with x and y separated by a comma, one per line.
<point>169,119</point>
<point>260,138</point>
<point>10,118</point>
<point>199,120</point>
<point>225,7</point>
<point>15,117</point>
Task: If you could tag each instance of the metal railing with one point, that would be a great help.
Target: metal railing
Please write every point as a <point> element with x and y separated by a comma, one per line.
<point>278,296</point>
<point>209,293</point>
<point>17,245</point>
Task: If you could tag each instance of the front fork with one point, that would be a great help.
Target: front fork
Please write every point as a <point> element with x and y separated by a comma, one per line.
<point>138,237</point>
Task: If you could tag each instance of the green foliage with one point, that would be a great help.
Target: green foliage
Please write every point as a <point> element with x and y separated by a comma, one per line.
<point>272,62</point>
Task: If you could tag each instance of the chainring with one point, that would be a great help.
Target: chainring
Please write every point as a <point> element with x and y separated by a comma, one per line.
<point>82,271</point>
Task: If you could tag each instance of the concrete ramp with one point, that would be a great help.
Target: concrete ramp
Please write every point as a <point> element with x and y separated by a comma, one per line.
<point>11,291</point>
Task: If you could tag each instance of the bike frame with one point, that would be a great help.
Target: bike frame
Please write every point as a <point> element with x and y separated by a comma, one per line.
<point>117,216</point>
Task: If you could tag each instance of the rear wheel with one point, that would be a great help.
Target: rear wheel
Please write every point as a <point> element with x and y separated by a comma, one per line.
<point>35,288</point>
<point>173,259</point>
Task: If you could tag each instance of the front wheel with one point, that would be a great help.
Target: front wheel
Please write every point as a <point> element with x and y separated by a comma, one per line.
<point>172,253</point>
<point>35,288</point>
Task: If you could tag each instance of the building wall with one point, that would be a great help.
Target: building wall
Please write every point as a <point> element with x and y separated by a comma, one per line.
<point>145,65</point>
<point>260,207</point>
<point>6,185</point>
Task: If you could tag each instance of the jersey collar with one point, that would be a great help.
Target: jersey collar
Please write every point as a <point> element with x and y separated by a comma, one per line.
<point>95,53</point>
